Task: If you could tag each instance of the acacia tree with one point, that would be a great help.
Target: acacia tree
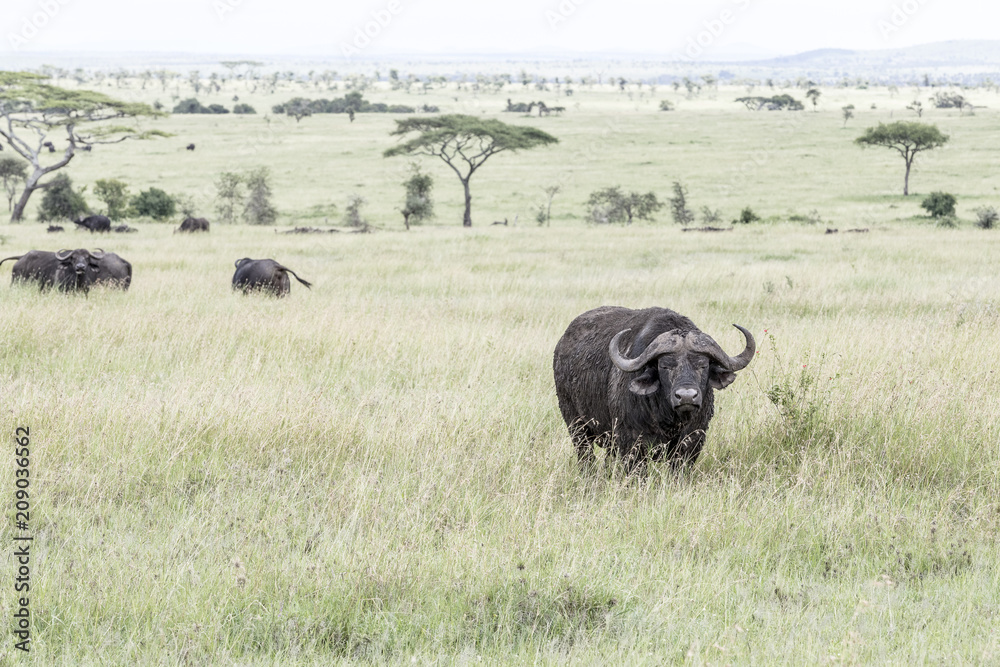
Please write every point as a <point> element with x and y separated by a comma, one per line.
<point>31,110</point>
<point>464,143</point>
<point>907,138</point>
<point>813,95</point>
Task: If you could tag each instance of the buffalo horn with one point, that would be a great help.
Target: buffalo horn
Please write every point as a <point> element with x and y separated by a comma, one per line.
<point>665,343</point>
<point>63,254</point>
<point>705,343</point>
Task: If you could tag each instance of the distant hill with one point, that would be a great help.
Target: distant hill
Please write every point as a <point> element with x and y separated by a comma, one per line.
<point>957,61</point>
<point>968,54</point>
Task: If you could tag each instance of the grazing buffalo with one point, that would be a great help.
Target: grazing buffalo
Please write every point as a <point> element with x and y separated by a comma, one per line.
<point>67,270</point>
<point>265,275</point>
<point>95,223</point>
<point>54,228</point>
<point>123,229</point>
<point>640,383</point>
<point>190,147</point>
<point>193,225</point>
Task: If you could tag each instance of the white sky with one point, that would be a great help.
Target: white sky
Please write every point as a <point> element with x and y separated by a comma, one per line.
<point>515,27</point>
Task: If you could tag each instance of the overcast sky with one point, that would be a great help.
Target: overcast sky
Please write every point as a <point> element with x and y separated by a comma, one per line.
<point>374,28</point>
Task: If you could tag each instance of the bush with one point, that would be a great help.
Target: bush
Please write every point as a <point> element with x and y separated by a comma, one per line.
<point>418,205</point>
<point>678,205</point>
<point>258,209</point>
<point>944,100</point>
<point>813,217</point>
<point>666,105</point>
<point>747,216</point>
<point>229,192</point>
<point>352,215</point>
<point>243,108</point>
<point>613,205</point>
<point>986,217</point>
<point>13,172</point>
<point>154,203</point>
<point>114,194</point>
<point>61,201</point>
<point>710,217</point>
<point>300,107</point>
<point>939,204</point>
<point>185,205</point>
<point>192,105</point>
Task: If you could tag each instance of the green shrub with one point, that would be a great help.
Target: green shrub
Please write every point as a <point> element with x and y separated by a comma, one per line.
<point>114,194</point>
<point>192,105</point>
<point>154,203</point>
<point>939,204</point>
<point>243,108</point>
<point>681,214</point>
<point>258,209</point>
<point>986,217</point>
<point>746,217</point>
<point>61,201</point>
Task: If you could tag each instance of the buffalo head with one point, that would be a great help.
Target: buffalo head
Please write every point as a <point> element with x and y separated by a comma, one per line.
<point>77,269</point>
<point>683,365</point>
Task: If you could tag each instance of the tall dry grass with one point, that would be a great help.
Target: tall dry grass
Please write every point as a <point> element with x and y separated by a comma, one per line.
<point>376,469</point>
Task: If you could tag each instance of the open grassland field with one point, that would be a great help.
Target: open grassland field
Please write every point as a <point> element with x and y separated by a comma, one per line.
<point>376,470</point>
<point>780,163</point>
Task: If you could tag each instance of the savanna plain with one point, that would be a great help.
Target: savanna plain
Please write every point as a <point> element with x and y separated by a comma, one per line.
<point>376,470</point>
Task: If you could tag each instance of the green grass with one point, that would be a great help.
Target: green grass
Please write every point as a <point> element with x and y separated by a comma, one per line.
<point>376,469</point>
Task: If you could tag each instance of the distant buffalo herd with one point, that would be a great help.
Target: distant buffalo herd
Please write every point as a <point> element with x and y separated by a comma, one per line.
<point>79,270</point>
<point>102,223</point>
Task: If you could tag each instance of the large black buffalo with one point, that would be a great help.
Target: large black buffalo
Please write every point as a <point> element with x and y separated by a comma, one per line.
<point>71,270</point>
<point>67,270</point>
<point>264,275</point>
<point>652,401</point>
<point>95,223</point>
<point>193,225</point>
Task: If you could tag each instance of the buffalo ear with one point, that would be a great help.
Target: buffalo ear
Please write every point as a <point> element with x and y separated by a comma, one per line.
<point>646,383</point>
<point>719,377</point>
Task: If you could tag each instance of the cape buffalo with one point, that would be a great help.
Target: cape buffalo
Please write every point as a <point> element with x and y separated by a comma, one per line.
<point>193,225</point>
<point>653,400</point>
<point>71,270</point>
<point>95,223</point>
<point>67,270</point>
<point>113,271</point>
<point>265,275</point>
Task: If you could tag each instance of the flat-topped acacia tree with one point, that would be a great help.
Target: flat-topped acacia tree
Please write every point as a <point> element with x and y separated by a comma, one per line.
<point>31,110</point>
<point>464,143</point>
<point>905,136</point>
